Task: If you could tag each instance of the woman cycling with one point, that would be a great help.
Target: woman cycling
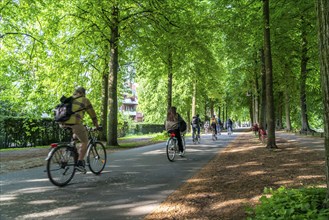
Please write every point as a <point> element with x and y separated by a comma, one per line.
<point>173,122</point>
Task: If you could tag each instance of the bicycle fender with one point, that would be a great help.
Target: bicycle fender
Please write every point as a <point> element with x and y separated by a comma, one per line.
<point>50,153</point>
<point>170,139</point>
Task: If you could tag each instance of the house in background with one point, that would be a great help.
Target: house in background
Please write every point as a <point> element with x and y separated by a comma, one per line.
<point>130,103</point>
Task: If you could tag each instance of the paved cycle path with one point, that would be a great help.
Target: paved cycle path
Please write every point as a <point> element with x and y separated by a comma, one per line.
<point>133,183</point>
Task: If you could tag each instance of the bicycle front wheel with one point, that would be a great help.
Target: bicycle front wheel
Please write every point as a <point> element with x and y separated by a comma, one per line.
<point>61,165</point>
<point>96,157</point>
<point>171,149</point>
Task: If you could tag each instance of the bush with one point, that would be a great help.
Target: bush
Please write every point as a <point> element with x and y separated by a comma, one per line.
<point>285,204</point>
<point>144,128</point>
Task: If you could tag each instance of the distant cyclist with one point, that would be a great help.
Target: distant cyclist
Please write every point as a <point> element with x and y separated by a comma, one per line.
<point>196,124</point>
<point>213,124</point>
<point>219,125</point>
<point>229,125</point>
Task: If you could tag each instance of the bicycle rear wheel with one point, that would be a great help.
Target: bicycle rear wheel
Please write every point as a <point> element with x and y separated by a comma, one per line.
<point>96,157</point>
<point>171,149</point>
<point>61,165</point>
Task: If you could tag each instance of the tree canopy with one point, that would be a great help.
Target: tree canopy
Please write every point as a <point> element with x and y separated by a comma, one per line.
<point>211,49</point>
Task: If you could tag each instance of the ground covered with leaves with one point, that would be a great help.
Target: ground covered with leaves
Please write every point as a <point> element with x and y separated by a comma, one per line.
<point>236,178</point>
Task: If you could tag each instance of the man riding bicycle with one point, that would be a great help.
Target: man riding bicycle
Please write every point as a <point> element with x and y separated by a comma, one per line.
<point>80,105</point>
<point>196,124</point>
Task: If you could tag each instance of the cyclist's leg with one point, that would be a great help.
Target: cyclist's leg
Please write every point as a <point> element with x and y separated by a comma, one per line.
<point>80,131</point>
<point>193,132</point>
<point>179,139</point>
<point>199,132</point>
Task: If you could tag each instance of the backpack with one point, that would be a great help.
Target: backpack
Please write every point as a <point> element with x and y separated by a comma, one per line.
<point>182,126</point>
<point>63,111</point>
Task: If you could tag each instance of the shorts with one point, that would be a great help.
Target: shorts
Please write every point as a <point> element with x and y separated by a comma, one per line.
<point>80,131</point>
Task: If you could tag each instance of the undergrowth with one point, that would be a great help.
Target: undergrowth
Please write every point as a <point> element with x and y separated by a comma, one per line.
<point>289,204</point>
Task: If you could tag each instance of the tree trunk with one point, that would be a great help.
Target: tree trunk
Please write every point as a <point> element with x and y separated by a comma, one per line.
<point>280,111</point>
<point>170,78</point>
<point>105,103</point>
<point>287,110</point>
<point>323,34</point>
<point>205,110</point>
<point>303,78</point>
<point>262,114</point>
<point>194,98</point>
<point>211,107</point>
<point>113,80</point>
<point>287,99</point>
<point>255,117</point>
<point>270,117</point>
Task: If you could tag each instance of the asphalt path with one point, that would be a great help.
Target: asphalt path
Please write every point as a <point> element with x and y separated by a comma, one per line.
<point>132,185</point>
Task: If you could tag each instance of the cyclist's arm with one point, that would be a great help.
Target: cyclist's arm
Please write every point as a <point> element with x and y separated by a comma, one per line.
<point>91,112</point>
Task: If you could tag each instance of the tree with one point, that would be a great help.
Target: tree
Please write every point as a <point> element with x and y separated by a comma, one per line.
<point>270,117</point>
<point>323,35</point>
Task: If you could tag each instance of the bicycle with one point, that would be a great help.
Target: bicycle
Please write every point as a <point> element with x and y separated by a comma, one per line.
<point>172,146</point>
<point>62,159</point>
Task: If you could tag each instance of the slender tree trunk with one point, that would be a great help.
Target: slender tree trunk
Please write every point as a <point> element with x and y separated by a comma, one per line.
<point>252,108</point>
<point>262,114</point>
<point>113,80</point>
<point>205,110</point>
<point>211,107</point>
<point>194,98</point>
<point>287,99</point>
<point>323,34</point>
<point>287,110</point>
<point>255,96</point>
<point>219,115</point>
<point>270,117</point>
<point>303,78</point>
<point>170,78</point>
<point>280,111</point>
<point>105,102</point>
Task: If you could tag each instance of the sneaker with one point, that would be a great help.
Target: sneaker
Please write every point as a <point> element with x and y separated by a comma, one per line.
<point>181,153</point>
<point>81,166</point>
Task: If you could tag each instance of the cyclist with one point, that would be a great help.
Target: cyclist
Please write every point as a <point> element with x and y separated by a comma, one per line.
<point>196,124</point>
<point>173,122</point>
<point>229,124</point>
<point>80,105</point>
<point>213,124</point>
<point>219,124</point>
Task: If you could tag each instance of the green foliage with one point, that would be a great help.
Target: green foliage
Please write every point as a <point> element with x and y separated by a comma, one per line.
<point>286,204</point>
<point>48,48</point>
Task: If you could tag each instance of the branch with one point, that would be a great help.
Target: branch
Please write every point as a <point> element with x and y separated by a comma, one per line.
<point>17,33</point>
